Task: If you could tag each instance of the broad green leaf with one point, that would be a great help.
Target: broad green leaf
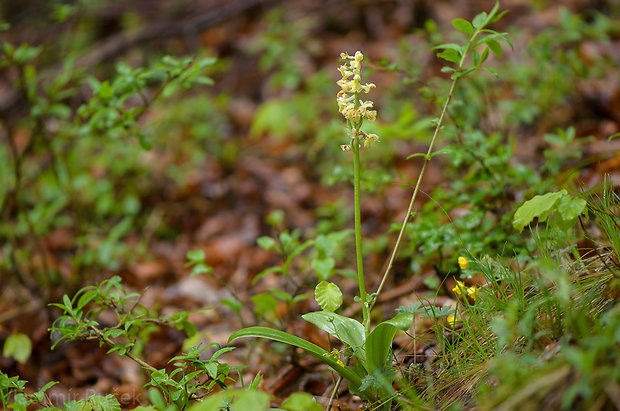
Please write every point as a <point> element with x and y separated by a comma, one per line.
<point>312,349</point>
<point>86,298</point>
<point>323,267</point>
<point>80,405</point>
<point>498,16</point>
<point>379,341</point>
<point>266,272</point>
<point>485,55</point>
<point>17,346</point>
<point>235,400</point>
<point>570,208</point>
<point>491,70</point>
<point>170,88</point>
<point>200,269</point>
<point>250,400</point>
<point>480,20</point>
<point>266,243</point>
<point>265,305</point>
<point>48,386</point>
<point>539,206</point>
<point>328,296</point>
<point>347,330</point>
<point>475,57</point>
<point>301,401</point>
<point>67,302</point>
<point>275,116</point>
<point>233,304</point>
<point>445,150</point>
<point>107,403</point>
<point>282,295</point>
<point>493,13</point>
<point>451,46</point>
<point>495,48</point>
<point>463,25</point>
<point>195,256</point>
<point>450,55</point>
<point>214,402</point>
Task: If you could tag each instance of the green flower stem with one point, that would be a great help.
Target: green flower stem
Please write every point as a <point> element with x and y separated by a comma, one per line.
<point>355,147</point>
<point>414,195</point>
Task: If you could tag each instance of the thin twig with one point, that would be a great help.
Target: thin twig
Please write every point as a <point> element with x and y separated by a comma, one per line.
<point>414,195</point>
<point>334,392</point>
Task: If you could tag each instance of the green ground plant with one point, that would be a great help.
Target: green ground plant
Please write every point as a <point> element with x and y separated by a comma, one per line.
<point>369,375</point>
<point>72,162</point>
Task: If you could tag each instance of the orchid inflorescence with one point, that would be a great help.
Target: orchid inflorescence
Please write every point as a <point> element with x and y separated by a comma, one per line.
<point>349,104</point>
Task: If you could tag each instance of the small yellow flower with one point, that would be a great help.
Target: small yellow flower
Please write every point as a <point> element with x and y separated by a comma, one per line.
<point>463,263</point>
<point>453,321</point>
<point>472,292</point>
<point>336,355</point>
<point>457,290</point>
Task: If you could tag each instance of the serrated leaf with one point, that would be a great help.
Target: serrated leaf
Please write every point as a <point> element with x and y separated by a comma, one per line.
<point>463,25</point>
<point>540,206</point>
<point>328,296</point>
<point>413,308</point>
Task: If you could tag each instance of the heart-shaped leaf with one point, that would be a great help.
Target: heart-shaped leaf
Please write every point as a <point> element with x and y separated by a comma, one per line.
<point>328,296</point>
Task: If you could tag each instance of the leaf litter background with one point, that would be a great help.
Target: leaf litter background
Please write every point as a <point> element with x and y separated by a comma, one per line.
<point>219,201</point>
